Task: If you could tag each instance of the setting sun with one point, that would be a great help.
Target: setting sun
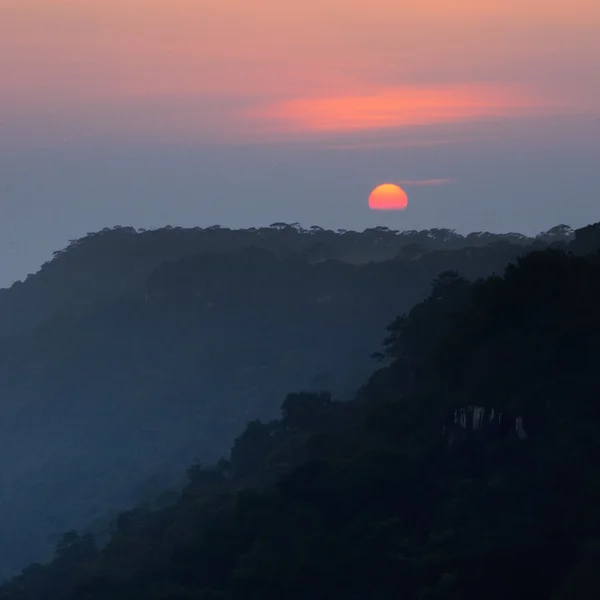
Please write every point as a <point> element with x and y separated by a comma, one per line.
<point>388,196</point>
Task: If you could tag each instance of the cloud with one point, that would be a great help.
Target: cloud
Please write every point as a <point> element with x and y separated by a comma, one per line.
<point>394,108</point>
<point>427,182</point>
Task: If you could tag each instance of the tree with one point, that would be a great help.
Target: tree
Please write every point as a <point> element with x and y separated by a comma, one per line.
<point>251,449</point>
<point>306,411</point>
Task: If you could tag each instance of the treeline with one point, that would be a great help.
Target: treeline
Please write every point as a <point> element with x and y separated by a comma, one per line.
<point>466,467</point>
<point>103,265</point>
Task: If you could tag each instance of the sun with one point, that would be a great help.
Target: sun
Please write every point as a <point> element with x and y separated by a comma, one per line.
<point>388,196</point>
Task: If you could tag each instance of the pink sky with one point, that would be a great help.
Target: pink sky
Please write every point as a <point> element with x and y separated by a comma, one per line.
<point>240,112</point>
<point>229,69</point>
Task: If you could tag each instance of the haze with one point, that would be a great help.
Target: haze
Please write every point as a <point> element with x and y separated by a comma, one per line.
<point>189,113</point>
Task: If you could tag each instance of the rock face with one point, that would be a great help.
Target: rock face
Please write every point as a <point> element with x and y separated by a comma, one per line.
<point>484,422</point>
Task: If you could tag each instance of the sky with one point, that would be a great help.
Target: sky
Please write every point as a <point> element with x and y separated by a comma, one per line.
<point>197,112</point>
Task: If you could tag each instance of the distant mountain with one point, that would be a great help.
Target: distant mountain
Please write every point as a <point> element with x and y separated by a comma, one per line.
<point>108,263</point>
<point>130,354</point>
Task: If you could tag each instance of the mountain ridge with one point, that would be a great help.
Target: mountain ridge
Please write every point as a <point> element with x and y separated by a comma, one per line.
<point>173,366</point>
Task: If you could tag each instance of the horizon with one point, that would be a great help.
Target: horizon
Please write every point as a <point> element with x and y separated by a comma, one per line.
<point>487,115</point>
<point>297,226</point>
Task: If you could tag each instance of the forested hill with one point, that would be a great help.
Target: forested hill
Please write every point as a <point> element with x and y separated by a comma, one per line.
<point>466,467</point>
<point>151,363</point>
<point>106,264</point>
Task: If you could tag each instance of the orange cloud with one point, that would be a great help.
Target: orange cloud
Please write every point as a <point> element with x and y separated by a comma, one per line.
<point>394,108</point>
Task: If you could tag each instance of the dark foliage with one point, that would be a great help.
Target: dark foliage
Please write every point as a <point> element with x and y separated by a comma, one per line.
<point>467,467</point>
<point>132,354</point>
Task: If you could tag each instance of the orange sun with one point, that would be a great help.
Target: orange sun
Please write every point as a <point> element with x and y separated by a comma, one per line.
<point>388,196</point>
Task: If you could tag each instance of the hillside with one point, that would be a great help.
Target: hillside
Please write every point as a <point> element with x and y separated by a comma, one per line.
<point>144,354</point>
<point>466,467</point>
<point>105,264</point>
